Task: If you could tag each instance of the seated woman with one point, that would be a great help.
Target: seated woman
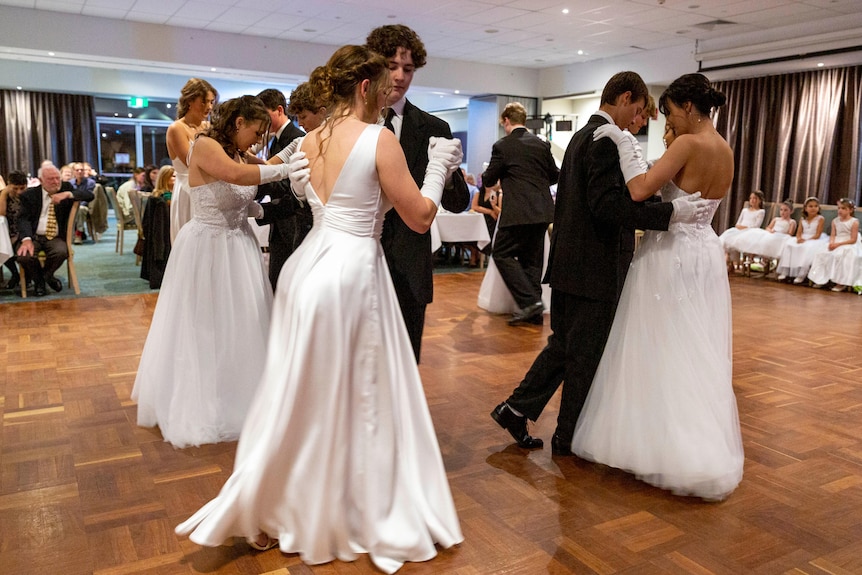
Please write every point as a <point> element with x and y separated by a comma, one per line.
<point>766,243</point>
<point>156,224</point>
<point>10,206</point>
<point>841,263</point>
<point>798,253</point>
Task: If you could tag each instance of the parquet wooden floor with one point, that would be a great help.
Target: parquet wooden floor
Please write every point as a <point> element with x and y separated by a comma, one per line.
<point>84,490</point>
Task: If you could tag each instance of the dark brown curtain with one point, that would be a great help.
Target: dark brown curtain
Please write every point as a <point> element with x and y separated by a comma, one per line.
<point>46,126</point>
<point>793,136</point>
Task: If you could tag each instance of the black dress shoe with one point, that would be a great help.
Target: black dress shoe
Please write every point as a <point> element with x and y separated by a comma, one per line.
<point>561,446</point>
<point>13,282</point>
<point>528,314</point>
<point>516,425</point>
<point>54,284</point>
<point>40,290</point>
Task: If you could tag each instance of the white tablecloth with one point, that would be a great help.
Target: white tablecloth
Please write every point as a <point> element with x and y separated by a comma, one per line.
<point>459,228</point>
<point>5,242</point>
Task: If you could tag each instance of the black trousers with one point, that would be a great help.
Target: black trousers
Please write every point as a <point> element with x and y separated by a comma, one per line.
<point>55,254</point>
<point>518,254</point>
<point>284,241</point>
<point>413,313</point>
<point>580,330</point>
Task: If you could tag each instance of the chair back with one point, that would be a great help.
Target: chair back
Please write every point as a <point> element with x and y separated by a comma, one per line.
<point>137,210</point>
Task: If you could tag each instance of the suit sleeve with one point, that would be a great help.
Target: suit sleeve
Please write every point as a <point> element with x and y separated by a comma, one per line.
<point>495,167</point>
<point>83,195</point>
<point>609,199</point>
<point>551,168</point>
<point>456,195</point>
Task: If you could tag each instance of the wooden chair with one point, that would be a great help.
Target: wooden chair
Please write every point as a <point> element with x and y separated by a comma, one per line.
<point>121,225</point>
<point>70,261</point>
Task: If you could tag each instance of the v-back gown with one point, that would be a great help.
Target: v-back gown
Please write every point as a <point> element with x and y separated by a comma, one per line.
<point>206,345</point>
<point>338,455</point>
<point>662,405</point>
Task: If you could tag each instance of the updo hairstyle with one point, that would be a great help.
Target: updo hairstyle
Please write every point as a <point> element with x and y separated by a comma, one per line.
<point>223,126</point>
<point>694,88</point>
<point>336,82</point>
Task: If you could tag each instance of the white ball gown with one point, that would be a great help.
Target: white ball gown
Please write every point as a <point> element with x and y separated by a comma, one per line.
<point>207,341</point>
<point>662,405</point>
<point>494,295</point>
<point>181,203</point>
<point>338,455</point>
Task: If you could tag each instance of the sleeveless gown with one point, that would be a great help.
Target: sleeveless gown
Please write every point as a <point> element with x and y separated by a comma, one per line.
<point>843,265</point>
<point>796,258</point>
<point>206,346</point>
<point>761,242</point>
<point>338,455</point>
<point>181,204</point>
<point>662,405</point>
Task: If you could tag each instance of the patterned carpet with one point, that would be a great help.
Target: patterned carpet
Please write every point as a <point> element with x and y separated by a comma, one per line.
<point>103,272</point>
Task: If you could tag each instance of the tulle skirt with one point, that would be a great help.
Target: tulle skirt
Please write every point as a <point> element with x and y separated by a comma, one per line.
<point>207,341</point>
<point>662,404</point>
<point>843,266</point>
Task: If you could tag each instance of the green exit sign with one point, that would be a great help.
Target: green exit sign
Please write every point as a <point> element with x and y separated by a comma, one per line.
<point>136,102</point>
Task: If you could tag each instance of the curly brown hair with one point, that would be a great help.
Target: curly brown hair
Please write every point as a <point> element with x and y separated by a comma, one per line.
<point>387,39</point>
<point>304,98</point>
<point>195,88</point>
<point>223,127</point>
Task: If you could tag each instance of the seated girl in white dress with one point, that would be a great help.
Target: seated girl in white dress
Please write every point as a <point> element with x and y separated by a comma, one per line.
<point>769,242</point>
<point>798,253</point>
<point>841,263</point>
<point>750,217</point>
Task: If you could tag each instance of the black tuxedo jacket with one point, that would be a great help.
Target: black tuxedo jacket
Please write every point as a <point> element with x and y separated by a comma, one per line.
<point>592,243</point>
<point>277,213</point>
<point>31,209</point>
<point>408,253</point>
<point>525,168</point>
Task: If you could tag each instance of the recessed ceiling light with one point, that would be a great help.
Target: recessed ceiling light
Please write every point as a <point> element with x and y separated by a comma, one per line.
<point>457,91</point>
<point>50,53</point>
<point>565,10</point>
<point>168,106</point>
<point>212,69</point>
<point>130,115</point>
<point>18,88</point>
<point>580,52</point>
<point>820,64</point>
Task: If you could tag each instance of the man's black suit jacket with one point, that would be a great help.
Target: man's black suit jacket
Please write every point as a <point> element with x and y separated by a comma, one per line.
<point>289,220</point>
<point>525,168</point>
<point>31,209</point>
<point>592,243</point>
<point>408,253</point>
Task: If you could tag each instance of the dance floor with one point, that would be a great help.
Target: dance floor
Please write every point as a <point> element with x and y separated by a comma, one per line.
<point>84,490</point>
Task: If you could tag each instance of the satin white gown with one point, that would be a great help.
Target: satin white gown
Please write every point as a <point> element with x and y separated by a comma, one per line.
<point>662,405</point>
<point>181,203</point>
<point>338,455</point>
<point>206,346</point>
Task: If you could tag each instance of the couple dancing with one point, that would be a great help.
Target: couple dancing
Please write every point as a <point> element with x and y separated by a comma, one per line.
<point>642,345</point>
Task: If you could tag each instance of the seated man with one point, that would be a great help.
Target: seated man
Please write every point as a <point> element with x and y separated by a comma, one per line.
<point>42,227</point>
<point>10,206</point>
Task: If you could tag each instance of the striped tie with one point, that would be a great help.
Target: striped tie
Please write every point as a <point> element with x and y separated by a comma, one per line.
<point>51,223</point>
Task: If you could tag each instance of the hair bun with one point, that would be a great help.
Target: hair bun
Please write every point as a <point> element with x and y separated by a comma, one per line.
<point>718,98</point>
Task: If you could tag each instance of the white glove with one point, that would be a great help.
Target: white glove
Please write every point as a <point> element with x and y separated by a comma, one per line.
<point>689,209</point>
<point>444,156</point>
<point>631,156</point>
<point>299,174</point>
<point>255,210</point>
<point>272,173</point>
